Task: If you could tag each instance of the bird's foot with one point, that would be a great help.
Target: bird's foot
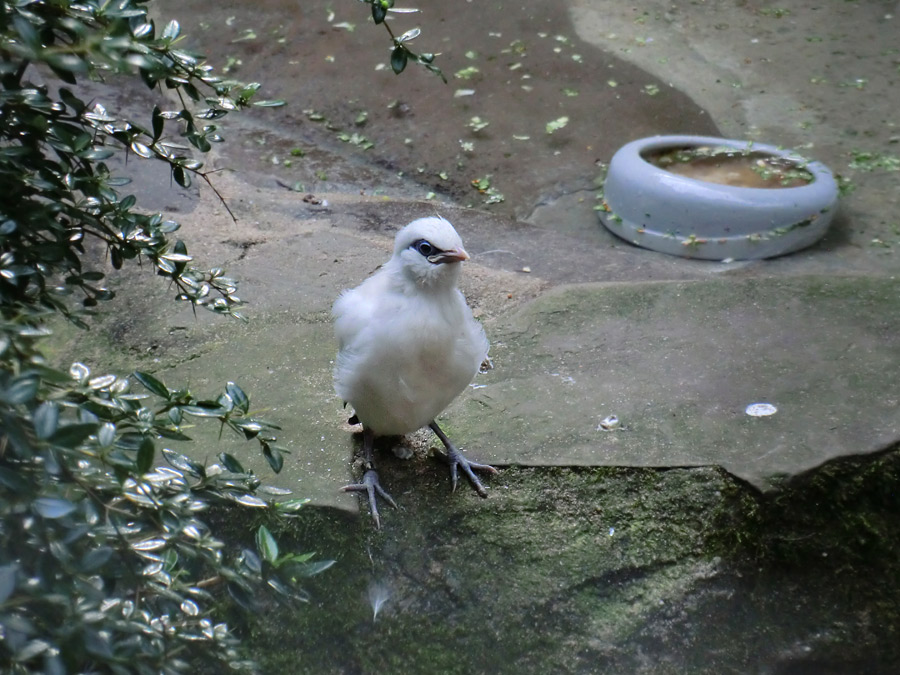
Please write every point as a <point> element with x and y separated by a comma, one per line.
<point>372,487</point>
<point>457,461</point>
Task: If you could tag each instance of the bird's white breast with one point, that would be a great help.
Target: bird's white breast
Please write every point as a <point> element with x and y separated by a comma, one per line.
<point>404,356</point>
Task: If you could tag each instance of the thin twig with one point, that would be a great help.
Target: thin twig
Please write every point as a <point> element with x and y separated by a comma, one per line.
<point>205,177</point>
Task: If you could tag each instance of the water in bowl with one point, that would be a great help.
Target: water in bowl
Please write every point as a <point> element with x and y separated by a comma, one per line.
<point>730,166</point>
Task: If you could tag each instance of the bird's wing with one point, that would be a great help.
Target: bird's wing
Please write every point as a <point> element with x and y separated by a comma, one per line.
<point>474,336</point>
<point>355,310</point>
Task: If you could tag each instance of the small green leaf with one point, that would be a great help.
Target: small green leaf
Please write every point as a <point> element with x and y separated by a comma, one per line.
<point>182,177</point>
<point>557,124</point>
<point>97,153</point>
<point>249,428</point>
<point>140,149</point>
<point>154,385</point>
<point>171,31</point>
<point>31,649</point>
<point>200,142</point>
<point>7,581</point>
<point>179,256</point>
<point>183,463</point>
<point>67,63</point>
<point>231,463</point>
<point>399,59</point>
<point>291,505</point>
<point>250,500</point>
<point>266,544</point>
<point>274,457</point>
<point>53,507</point>
<point>241,400</point>
<point>311,569</point>
<point>27,32</point>
<point>72,435</point>
<point>378,12</point>
<point>410,35</point>
<point>46,418</point>
<point>173,435</point>
<point>191,91</point>
<point>149,544</point>
<point>204,409</point>
<point>175,416</point>
<point>22,390</point>
<point>142,30</point>
<point>145,455</point>
<point>106,436</point>
<point>158,123</point>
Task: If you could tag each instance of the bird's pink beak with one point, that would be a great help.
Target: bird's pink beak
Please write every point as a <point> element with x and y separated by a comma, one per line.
<point>451,256</point>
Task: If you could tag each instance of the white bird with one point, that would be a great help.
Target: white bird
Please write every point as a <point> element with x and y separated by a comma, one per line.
<point>408,346</point>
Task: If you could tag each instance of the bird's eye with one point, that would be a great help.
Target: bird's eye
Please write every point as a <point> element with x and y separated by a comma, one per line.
<point>425,248</point>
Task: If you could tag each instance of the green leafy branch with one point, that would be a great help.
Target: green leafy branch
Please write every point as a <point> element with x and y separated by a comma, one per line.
<point>401,54</point>
<point>53,150</point>
<point>108,563</point>
<point>108,553</point>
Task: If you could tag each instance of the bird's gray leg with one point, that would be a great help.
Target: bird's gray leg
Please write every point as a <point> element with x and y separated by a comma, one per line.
<point>370,484</point>
<point>456,459</point>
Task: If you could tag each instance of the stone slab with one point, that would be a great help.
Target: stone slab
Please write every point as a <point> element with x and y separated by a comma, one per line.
<point>284,363</point>
<point>679,362</point>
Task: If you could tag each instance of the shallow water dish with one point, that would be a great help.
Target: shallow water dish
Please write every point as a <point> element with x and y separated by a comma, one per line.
<point>700,217</point>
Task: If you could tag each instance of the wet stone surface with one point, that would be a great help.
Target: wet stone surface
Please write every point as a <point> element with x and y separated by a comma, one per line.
<point>602,571</point>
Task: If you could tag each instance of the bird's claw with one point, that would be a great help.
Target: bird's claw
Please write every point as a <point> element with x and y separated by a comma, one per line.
<point>456,459</point>
<point>372,487</point>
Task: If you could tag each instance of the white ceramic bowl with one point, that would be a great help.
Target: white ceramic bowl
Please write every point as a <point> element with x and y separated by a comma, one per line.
<point>663,211</point>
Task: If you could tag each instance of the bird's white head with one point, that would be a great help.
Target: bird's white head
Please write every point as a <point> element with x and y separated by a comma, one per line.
<point>428,251</point>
